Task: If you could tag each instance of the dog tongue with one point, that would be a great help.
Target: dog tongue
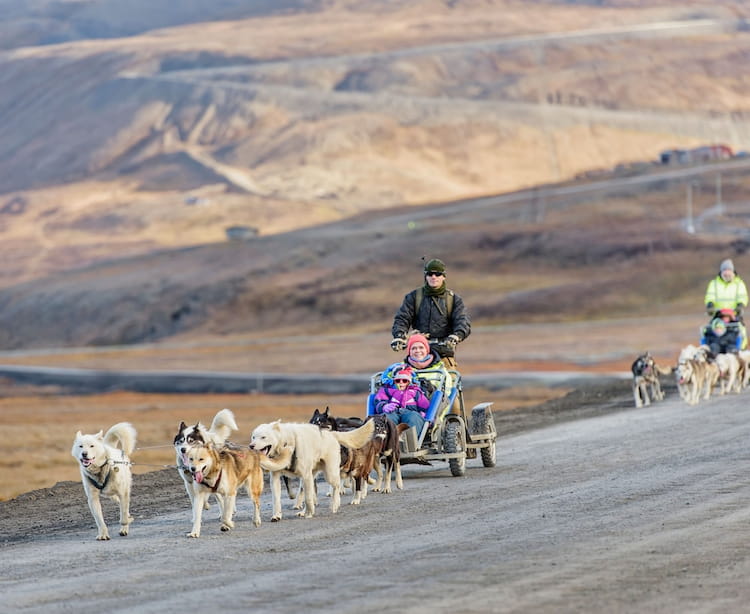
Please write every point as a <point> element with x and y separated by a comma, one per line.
<point>199,476</point>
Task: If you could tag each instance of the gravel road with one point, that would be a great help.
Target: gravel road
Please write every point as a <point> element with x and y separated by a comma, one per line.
<point>594,506</point>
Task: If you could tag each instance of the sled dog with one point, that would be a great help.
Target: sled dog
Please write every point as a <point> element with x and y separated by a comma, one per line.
<point>645,379</point>
<point>105,470</point>
<point>382,446</point>
<point>356,465</point>
<point>187,436</point>
<point>312,449</point>
<point>729,373</point>
<point>691,379</point>
<point>325,420</point>
<point>744,375</point>
<point>222,471</point>
<point>388,435</point>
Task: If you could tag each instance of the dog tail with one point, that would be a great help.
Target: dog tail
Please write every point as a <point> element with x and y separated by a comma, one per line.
<point>223,424</point>
<point>356,438</point>
<point>278,463</point>
<point>122,433</point>
<point>665,370</point>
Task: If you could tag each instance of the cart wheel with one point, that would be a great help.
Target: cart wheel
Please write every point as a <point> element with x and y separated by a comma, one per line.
<point>454,442</point>
<point>483,423</point>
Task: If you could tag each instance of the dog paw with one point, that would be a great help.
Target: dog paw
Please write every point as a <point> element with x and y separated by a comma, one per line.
<point>124,532</point>
<point>276,519</point>
<point>102,537</point>
<point>193,534</point>
<point>225,528</point>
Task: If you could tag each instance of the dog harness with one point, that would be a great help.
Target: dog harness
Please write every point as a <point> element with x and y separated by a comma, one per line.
<point>103,484</point>
<point>215,487</point>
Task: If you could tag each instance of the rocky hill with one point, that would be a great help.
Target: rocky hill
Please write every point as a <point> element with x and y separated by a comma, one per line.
<point>585,250</point>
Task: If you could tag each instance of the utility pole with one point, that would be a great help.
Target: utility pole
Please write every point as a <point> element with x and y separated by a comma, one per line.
<point>689,226</point>
<point>719,202</point>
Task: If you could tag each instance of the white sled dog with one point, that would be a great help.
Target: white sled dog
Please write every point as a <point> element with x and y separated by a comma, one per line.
<point>312,449</point>
<point>105,469</point>
<point>222,471</point>
<point>197,435</point>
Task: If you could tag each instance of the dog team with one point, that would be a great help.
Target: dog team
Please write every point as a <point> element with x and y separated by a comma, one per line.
<point>698,373</point>
<point>209,464</point>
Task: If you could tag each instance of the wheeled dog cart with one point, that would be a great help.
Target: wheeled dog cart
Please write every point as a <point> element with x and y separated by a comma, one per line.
<point>446,436</point>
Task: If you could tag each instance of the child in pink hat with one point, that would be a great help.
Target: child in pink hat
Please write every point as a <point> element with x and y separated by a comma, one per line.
<point>403,401</point>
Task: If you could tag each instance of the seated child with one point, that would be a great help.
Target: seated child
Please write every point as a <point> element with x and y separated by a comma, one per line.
<point>403,401</point>
<point>721,338</point>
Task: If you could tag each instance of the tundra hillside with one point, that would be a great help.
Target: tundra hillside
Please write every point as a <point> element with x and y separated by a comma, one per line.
<point>134,136</point>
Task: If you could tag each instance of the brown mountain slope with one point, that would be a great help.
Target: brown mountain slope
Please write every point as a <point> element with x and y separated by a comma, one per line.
<point>158,139</point>
<point>558,254</point>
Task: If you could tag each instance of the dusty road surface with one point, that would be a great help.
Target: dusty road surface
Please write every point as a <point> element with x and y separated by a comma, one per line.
<point>619,510</point>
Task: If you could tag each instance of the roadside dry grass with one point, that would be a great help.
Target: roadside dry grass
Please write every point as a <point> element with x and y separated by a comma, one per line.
<point>39,427</point>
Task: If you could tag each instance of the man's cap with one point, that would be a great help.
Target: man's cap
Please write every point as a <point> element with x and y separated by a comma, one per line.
<point>434,266</point>
<point>726,264</point>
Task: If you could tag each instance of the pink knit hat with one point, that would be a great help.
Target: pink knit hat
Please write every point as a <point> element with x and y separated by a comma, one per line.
<point>406,374</point>
<point>417,339</point>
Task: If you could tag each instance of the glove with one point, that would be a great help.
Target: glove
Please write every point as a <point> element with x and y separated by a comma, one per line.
<point>398,344</point>
<point>710,309</point>
<point>390,407</point>
<point>451,341</point>
<point>738,309</point>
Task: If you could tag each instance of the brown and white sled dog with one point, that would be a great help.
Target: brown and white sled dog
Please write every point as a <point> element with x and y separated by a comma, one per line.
<point>104,461</point>
<point>696,380</point>
<point>388,435</point>
<point>312,449</point>
<point>729,373</point>
<point>383,445</point>
<point>223,471</point>
<point>197,435</point>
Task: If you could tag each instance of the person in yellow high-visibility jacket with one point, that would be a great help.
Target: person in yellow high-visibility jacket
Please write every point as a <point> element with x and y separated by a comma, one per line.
<point>727,291</point>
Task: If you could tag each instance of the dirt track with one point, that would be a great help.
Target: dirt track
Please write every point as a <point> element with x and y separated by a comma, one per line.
<point>617,510</point>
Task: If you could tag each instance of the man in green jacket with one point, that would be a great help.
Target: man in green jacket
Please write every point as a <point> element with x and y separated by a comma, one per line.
<point>728,291</point>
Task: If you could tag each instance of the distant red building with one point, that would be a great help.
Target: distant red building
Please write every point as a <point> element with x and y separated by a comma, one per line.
<point>705,153</point>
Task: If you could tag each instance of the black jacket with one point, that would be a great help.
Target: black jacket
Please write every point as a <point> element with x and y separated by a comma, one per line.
<point>432,318</point>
